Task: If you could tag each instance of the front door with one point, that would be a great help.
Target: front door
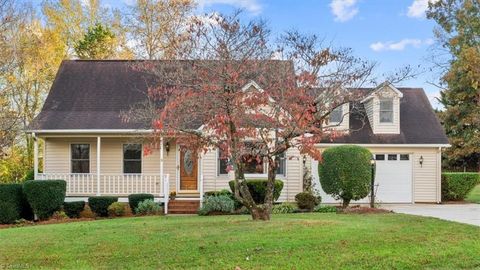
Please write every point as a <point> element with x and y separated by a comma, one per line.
<point>188,170</point>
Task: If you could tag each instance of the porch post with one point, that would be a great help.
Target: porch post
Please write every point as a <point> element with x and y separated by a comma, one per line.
<point>35,156</point>
<point>99,145</point>
<point>161,159</point>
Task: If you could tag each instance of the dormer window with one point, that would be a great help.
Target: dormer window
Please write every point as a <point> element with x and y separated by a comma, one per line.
<point>386,110</point>
<point>336,115</point>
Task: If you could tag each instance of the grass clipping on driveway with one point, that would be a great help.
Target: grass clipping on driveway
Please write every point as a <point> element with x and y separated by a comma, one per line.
<point>291,241</point>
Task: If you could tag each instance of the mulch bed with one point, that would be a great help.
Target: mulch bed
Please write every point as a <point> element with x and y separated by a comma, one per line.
<point>357,209</point>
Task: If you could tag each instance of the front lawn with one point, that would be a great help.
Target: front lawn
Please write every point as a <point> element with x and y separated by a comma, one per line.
<point>474,195</point>
<point>290,241</point>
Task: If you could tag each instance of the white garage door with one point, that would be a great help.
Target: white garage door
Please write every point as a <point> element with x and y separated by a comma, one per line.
<point>393,179</point>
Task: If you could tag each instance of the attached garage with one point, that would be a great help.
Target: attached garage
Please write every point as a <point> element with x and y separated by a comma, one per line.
<point>406,174</point>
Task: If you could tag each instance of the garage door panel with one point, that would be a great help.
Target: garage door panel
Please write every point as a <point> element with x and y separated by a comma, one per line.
<point>393,179</point>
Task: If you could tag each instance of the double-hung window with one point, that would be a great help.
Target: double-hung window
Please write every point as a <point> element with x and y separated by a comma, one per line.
<point>80,158</point>
<point>132,158</point>
<point>222,163</point>
<point>386,110</point>
<point>336,115</point>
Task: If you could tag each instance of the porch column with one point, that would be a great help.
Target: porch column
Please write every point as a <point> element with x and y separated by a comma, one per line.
<point>35,156</point>
<point>99,145</point>
<point>161,162</point>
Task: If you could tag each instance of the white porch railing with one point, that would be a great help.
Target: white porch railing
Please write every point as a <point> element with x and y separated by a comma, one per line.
<point>110,184</point>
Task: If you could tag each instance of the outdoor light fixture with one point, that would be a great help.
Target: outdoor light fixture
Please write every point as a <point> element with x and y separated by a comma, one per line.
<point>167,147</point>
<point>372,184</point>
<point>421,161</point>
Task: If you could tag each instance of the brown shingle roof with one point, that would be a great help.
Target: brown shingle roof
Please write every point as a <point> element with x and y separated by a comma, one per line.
<point>92,94</point>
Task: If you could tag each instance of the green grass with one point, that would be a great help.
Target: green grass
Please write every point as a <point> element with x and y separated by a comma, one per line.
<point>474,195</point>
<point>290,241</point>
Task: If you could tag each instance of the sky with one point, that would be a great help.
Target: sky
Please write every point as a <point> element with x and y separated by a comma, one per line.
<point>393,33</point>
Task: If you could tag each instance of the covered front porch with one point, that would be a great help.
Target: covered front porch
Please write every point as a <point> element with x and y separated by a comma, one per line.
<point>118,165</point>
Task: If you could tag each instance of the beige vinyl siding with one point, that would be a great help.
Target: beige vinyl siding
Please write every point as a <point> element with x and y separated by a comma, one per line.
<point>57,154</point>
<point>293,183</point>
<point>211,180</point>
<point>369,109</point>
<point>426,178</point>
<point>57,157</point>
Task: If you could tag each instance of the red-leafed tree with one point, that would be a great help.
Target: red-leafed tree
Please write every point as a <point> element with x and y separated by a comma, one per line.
<point>236,98</point>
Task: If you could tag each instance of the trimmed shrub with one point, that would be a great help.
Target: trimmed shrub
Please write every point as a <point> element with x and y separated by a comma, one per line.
<point>13,194</point>
<point>456,186</point>
<point>148,207</point>
<point>325,209</point>
<point>99,205</point>
<point>73,209</point>
<point>237,204</point>
<point>283,208</point>
<point>221,203</point>
<point>258,187</point>
<point>135,199</point>
<point>45,197</point>
<point>9,212</point>
<point>345,172</point>
<point>307,201</point>
<point>116,209</point>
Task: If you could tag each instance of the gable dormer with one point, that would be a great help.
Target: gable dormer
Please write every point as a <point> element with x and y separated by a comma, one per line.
<point>382,106</point>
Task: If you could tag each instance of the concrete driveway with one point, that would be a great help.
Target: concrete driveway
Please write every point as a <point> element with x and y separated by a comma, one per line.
<point>463,213</point>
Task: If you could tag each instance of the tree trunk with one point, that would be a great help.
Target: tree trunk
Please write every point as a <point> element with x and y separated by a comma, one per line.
<point>260,214</point>
<point>345,203</point>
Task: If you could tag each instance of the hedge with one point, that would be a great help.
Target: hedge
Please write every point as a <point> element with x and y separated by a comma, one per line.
<point>45,197</point>
<point>456,186</point>
<point>345,172</point>
<point>13,196</point>
<point>73,209</point>
<point>100,204</point>
<point>258,188</point>
<point>135,199</point>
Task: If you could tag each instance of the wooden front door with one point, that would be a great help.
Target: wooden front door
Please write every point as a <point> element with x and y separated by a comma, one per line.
<point>188,170</point>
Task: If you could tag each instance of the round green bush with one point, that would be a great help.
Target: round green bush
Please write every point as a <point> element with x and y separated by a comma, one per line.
<point>99,205</point>
<point>148,207</point>
<point>116,209</point>
<point>345,172</point>
<point>456,186</point>
<point>307,201</point>
<point>13,193</point>
<point>225,192</point>
<point>9,212</point>
<point>221,203</point>
<point>45,196</point>
<point>73,209</point>
<point>258,189</point>
<point>135,199</point>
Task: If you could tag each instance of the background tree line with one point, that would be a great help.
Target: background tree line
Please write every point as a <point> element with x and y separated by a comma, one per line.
<point>34,41</point>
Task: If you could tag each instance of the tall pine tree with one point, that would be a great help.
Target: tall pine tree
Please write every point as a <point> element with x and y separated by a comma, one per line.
<point>459,33</point>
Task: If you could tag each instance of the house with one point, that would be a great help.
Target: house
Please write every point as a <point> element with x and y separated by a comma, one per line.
<point>86,142</point>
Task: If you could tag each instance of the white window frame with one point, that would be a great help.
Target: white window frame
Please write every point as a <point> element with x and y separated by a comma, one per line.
<point>89,157</point>
<point>141,159</point>
<point>340,108</point>
<point>380,110</point>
